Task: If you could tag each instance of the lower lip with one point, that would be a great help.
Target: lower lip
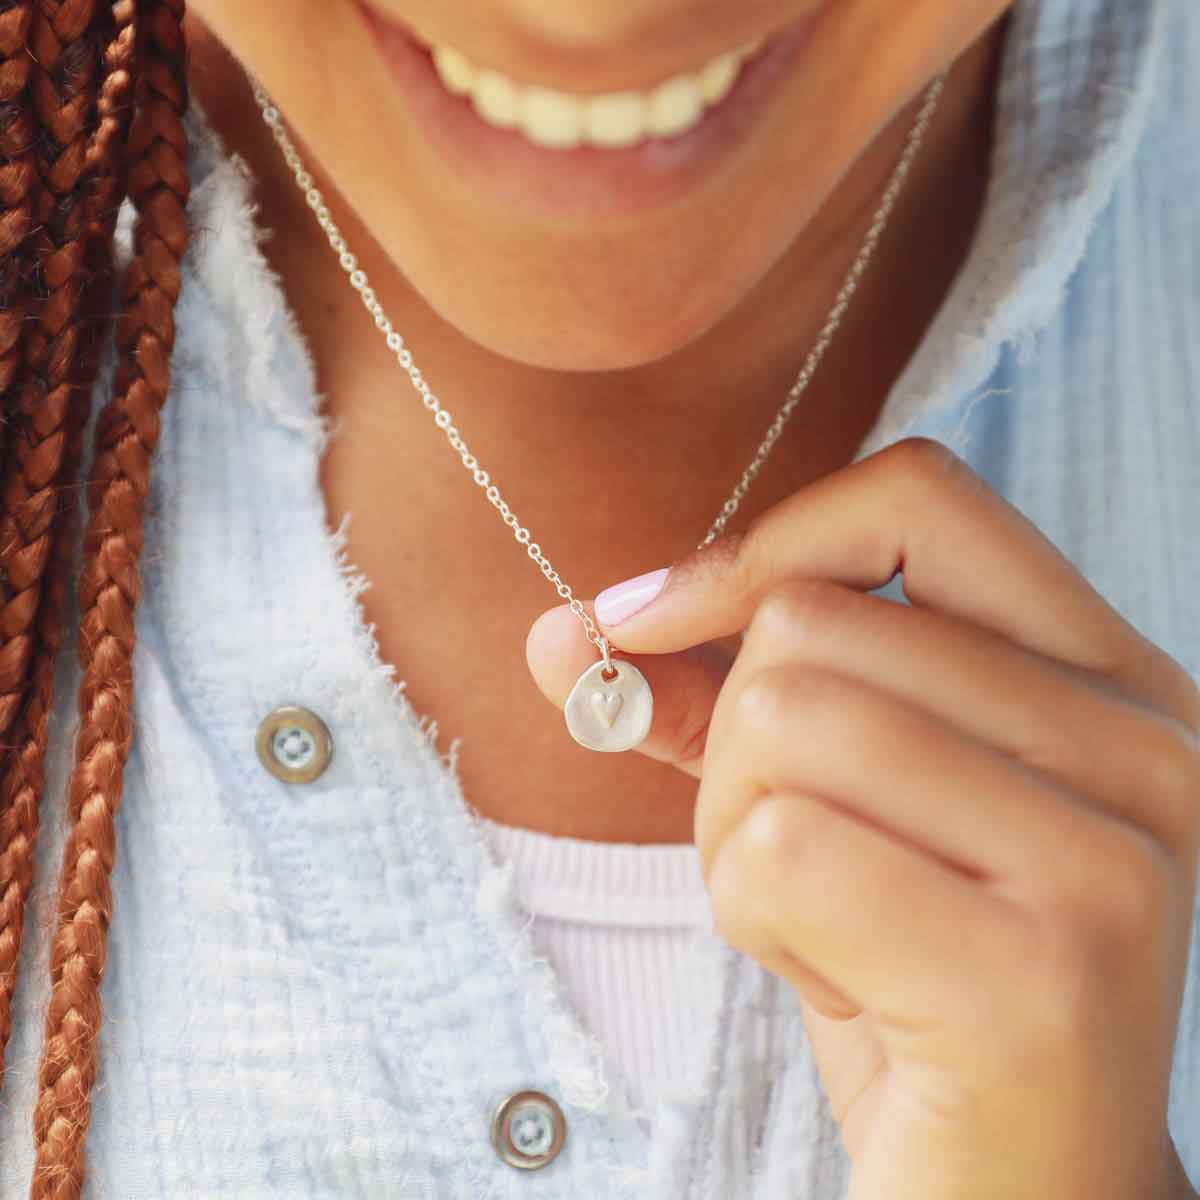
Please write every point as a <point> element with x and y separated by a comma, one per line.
<point>586,181</point>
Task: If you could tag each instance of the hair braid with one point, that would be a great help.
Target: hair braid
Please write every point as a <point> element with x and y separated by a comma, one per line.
<point>41,396</point>
<point>99,190</point>
<point>126,435</point>
<point>18,186</point>
<point>18,182</point>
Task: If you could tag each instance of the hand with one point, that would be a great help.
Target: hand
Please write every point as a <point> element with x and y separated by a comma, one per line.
<point>966,830</point>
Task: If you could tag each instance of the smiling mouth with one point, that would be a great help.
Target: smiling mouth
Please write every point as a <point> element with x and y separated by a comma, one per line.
<point>559,120</point>
<point>602,154</point>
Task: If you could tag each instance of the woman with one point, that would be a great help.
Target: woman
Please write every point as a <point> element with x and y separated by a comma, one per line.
<point>888,900</point>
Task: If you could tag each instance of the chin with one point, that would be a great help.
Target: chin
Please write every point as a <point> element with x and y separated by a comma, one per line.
<point>578,341</point>
<point>585,320</point>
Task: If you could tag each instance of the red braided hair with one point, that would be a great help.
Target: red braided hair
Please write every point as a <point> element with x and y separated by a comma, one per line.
<point>92,97</point>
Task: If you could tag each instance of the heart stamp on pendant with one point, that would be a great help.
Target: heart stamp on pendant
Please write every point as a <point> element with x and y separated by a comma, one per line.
<point>612,713</point>
<point>607,706</point>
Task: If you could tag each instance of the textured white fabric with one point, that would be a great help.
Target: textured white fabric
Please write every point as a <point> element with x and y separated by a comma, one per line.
<point>615,921</point>
<point>323,991</point>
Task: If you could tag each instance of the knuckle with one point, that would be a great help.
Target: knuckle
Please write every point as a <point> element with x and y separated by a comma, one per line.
<point>1183,697</point>
<point>779,615</point>
<point>1136,894</point>
<point>779,838</point>
<point>928,461</point>
<point>736,883</point>
<point>1102,911</point>
<point>929,472</point>
<point>729,896</point>
<point>776,833</point>
<point>765,700</point>
<point>774,699</point>
<point>798,607</point>
<point>1149,673</point>
<point>1170,765</point>
<point>1108,899</point>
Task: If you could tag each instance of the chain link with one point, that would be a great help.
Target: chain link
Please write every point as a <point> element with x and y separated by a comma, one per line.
<point>442,418</point>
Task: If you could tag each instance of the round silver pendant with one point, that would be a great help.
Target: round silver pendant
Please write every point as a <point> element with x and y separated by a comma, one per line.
<point>610,714</point>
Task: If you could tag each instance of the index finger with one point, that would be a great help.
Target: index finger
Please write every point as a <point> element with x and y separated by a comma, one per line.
<point>914,508</point>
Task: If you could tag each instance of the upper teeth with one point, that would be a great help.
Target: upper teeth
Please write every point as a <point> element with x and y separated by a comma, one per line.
<point>561,121</point>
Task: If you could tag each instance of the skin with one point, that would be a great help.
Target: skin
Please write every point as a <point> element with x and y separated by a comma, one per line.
<point>961,978</point>
<point>679,409</point>
<point>885,792</point>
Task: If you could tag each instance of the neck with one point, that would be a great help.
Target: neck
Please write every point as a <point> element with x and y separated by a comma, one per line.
<point>614,473</point>
<point>681,428</point>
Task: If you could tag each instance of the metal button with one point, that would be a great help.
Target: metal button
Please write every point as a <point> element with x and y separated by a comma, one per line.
<point>294,744</point>
<point>528,1130</point>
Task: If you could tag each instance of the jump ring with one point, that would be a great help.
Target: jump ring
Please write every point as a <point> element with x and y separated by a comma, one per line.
<point>604,649</point>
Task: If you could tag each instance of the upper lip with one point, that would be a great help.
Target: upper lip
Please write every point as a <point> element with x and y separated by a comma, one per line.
<point>597,64</point>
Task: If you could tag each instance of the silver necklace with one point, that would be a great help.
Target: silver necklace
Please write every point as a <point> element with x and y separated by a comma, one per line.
<point>611,705</point>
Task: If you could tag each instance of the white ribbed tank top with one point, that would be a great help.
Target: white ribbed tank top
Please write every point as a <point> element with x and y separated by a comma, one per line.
<point>614,921</point>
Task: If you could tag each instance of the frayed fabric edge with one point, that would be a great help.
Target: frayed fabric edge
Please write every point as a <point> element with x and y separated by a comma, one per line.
<point>356,582</point>
<point>576,1057</point>
<point>939,375</point>
<point>224,218</point>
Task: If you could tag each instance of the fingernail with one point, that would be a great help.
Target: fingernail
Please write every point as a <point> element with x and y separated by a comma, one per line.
<point>619,602</point>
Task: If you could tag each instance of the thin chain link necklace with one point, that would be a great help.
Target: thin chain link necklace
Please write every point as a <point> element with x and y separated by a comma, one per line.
<point>611,706</point>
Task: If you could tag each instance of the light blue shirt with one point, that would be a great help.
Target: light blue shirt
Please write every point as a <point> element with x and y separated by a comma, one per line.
<point>323,989</point>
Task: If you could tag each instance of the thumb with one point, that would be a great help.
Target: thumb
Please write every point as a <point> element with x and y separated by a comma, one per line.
<point>685,685</point>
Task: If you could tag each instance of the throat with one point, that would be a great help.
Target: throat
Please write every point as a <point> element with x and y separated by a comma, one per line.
<point>613,473</point>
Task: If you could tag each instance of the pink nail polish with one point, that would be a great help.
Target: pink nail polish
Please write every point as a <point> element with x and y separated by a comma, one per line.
<point>619,602</point>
